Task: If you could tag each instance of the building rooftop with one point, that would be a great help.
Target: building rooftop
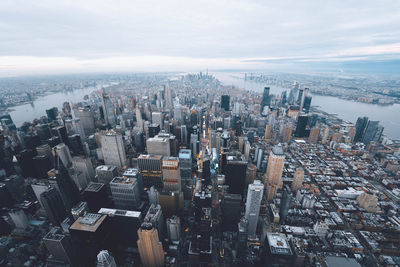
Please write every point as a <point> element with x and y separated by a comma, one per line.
<point>90,222</point>
<point>105,167</point>
<point>145,156</point>
<point>332,261</point>
<point>124,213</point>
<point>94,187</point>
<point>131,172</point>
<point>278,244</point>
<point>122,180</point>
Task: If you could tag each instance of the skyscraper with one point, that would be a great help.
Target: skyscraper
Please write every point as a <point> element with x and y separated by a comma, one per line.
<point>235,172</point>
<point>285,203</point>
<point>60,248</point>
<point>231,210</point>
<point>159,145</point>
<point>171,174</point>
<point>373,132</point>
<point>265,99</point>
<point>109,110</point>
<point>301,125</point>
<point>53,205</point>
<point>151,170</point>
<point>276,163</point>
<point>168,97</point>
<point>125,193</point>
<point>253,202</point>
<point>225,101</point>
<point>298,179</point>
<point>113,149</point>
<point>150,248</point>
<point>361,125</point>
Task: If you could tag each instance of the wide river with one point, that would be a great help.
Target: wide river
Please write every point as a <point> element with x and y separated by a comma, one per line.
<point>389,116</point>
<point>37,109</point>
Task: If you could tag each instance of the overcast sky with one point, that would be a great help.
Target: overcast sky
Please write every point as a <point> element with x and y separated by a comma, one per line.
<point>49,36</point>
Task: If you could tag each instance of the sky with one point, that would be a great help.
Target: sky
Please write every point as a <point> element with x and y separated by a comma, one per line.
<point>48,36</point>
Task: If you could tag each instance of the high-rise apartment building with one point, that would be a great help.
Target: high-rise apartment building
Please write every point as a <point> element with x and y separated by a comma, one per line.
<point>275,166</point>
<point>285,203</point>
<point>298,179</point>
<point>314,135</point>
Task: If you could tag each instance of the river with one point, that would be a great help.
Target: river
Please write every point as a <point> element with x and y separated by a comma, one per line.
<point>37,109</point>
<point>389,116</point>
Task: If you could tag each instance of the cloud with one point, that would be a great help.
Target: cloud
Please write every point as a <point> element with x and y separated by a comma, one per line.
<point>171,34</point>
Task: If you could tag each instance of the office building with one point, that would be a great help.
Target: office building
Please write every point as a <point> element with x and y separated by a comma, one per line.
<point>109,110</point>
<point>277,250</point>
<point>113,149</point>
<point>61,132</point>
<point>125,193</point>
<point>361,125</point>
<point>90,234</point>
<point>60,247</point>
<point>53,205</point>
<point>96,196</point>
<point>171,174</point>
<point>134,173</point>
<point>276,161</point>
<point>158,146</point>
<point>373,132</point>
<point>225,102</point>
<point>266,99</point>
<point>150,248</point>
<point>285,203</point>
<point>231,211</point>
<point>105,173</point>
<point>86,116</point>
<point>38,188</point>
<point>154,129</point>
<point>158,118</point>
<point>168,97</point>
<point>301,125</point>
<point>235,172</point>
<point>253,202</point>
<point>124,225</point>
<point>150,167</point>
<point>63,153</point>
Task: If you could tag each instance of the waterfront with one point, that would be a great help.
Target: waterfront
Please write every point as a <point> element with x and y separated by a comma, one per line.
<point>36,109</point>
<point>345,109</point>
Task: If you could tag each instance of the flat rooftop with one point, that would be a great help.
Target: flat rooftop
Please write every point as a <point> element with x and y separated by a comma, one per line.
<point>122,180</point>
<point>94,187</point>
<point>131,172</point>
<point>278,244</point>
<point>105,167</point>
<point>90,222</point>
<point>124,213</point>
<point>144,156</point>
